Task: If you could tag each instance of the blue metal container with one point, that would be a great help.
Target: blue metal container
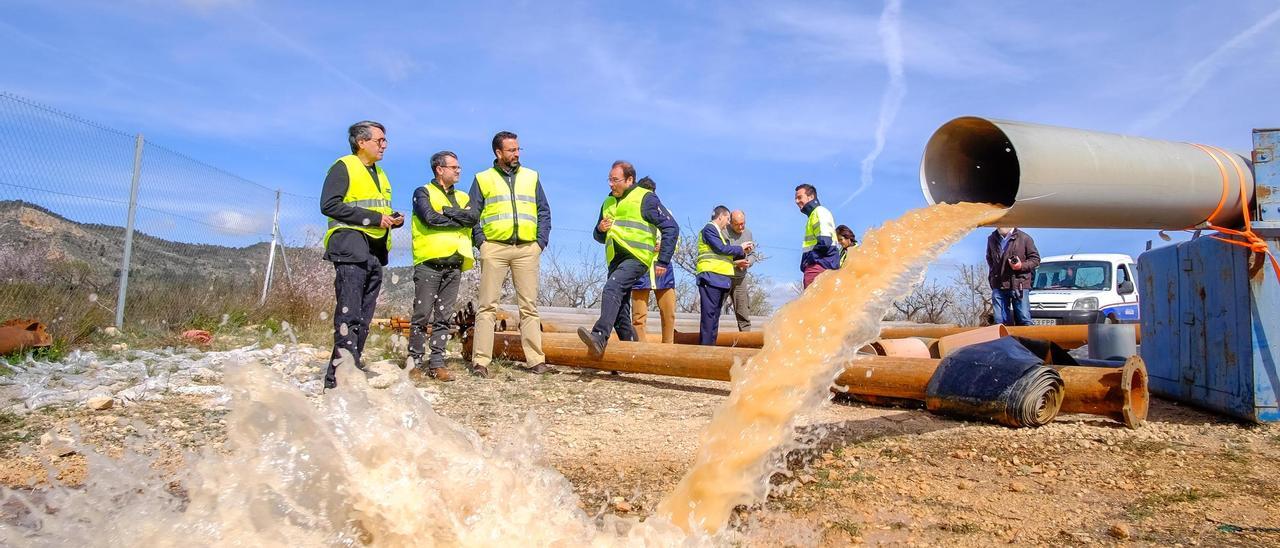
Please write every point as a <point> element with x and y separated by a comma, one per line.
<point>1211,312</point>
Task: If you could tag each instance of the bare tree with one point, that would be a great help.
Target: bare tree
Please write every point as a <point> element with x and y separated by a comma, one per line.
<point>686,254</point>
<point>758,299</point>
<point>686,294</point>
<point>928,302</point>
<point>575,282</point>
<point>973,295</point>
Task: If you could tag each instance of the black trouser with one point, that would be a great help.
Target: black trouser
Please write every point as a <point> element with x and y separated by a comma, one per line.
<point>435,293</point>
<point>615,300</point>
<point>356,286</point>
<point>739,292</point>
<point>710,299</point>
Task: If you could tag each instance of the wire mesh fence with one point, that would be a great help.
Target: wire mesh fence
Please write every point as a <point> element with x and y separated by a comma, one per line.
<point>203,240</point>
<point>201,245</point>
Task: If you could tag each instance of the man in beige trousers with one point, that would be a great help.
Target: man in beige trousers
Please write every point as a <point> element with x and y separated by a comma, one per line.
<point>514,227</point>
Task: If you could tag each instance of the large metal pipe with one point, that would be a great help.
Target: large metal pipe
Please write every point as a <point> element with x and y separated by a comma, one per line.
<point>1093,390</point>
<point>1069,178</point>
<point>1066,336</point>
<point>1098,394</point>
<point>693,362</point>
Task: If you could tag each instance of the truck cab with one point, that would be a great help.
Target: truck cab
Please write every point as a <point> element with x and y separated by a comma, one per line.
<point>1084,288</point>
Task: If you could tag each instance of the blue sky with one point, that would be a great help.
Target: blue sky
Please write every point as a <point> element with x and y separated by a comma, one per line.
<point>720,102</point>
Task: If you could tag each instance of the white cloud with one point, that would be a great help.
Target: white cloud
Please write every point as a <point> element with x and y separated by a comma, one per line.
<point>226,221</point>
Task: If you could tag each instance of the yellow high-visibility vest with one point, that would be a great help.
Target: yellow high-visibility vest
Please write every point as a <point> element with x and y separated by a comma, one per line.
<point>629,229</point>
<point>431,242</point>
<point>507,210</point>
<point>821,222</point>
<point>709,260</point>
<point>362,192</point>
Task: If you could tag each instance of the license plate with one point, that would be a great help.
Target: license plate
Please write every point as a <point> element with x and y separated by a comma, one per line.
<point>1044,321</point>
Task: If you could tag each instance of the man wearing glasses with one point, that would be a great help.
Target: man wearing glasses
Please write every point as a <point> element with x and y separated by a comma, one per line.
<point>441,230</point>
<point>513,229</point>
<point>357,200</point>
<point>631,219</point>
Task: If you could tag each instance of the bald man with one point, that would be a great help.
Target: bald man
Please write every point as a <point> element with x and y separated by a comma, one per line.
<point>739,234</point>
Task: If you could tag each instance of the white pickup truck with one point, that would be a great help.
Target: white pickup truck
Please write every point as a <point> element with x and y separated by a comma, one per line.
<point>1085,288</point>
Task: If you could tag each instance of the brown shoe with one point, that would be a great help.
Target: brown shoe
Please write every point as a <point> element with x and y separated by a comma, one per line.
<point>441,374</point>
<point>417,374</point>
<point>544,369</point>
<point>481,371</point>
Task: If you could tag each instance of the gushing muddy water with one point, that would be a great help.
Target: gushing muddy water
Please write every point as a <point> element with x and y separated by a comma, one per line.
<point>805,346</point>
<point>360,466</point>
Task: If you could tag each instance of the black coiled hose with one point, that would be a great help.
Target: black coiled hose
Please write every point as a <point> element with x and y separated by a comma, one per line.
<point>999,381</point>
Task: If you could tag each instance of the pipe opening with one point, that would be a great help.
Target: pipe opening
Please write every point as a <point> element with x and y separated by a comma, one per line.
<point>970,160</point>
<point>1136,397</point>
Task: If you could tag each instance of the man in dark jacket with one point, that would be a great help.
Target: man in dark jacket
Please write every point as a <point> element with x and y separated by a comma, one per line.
<point>441,229</point>
<point>638,234</point>
<point>820,252</point>
<point>357,200</point>
<point>715,272</point>
<point>1012,258</point>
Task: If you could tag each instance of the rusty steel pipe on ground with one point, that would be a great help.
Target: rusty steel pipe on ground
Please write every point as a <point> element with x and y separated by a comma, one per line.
<point>1066,336</point>
<point>22,334</point>
<point>1117,393</point>
<point>694,362</point>
<point>1097,392</point>
<point>1120,394</point>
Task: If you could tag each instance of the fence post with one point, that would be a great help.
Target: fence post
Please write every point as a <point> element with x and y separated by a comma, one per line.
<point>128,232</point>
<point>271,256</point>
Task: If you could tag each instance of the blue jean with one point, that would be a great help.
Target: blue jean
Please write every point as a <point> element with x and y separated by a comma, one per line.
<point>1003,299</point>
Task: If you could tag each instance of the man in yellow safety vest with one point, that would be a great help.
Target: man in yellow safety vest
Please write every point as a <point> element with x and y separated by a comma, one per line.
<point>357,200</point>
<point>513,231</point>
<point>441,231</point>
<point>715,270</point>
<point>820,252</point>
<point>629,225</point>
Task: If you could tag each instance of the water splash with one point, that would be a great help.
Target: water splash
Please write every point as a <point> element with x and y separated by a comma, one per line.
<point>356,467</point>
<point>805,348</point>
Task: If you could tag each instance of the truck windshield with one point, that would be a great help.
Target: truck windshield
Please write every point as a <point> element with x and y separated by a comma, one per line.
<point>1092,275</point>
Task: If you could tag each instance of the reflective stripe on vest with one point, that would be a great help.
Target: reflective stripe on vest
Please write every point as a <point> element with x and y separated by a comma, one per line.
<point>709,260</point>
<point>438,243</point>
<point>363,192</point>
<point>813,228</point>
<point>506,210</point>
<point>629,229</point>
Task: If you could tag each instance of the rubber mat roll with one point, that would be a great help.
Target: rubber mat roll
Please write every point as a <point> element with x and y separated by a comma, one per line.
<point>999,381</point>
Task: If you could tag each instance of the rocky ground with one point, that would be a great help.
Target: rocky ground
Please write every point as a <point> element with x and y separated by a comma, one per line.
<point>881,476</point>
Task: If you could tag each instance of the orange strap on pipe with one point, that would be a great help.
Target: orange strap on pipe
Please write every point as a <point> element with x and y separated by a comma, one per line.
<point>1248,239</point>
<point>1226,184</point>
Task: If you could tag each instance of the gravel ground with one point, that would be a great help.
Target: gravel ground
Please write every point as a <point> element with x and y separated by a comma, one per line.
<point>872,475</point>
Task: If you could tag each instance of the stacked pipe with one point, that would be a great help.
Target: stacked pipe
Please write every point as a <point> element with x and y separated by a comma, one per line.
<point>1066,336</point>
<point>1120,394</point>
